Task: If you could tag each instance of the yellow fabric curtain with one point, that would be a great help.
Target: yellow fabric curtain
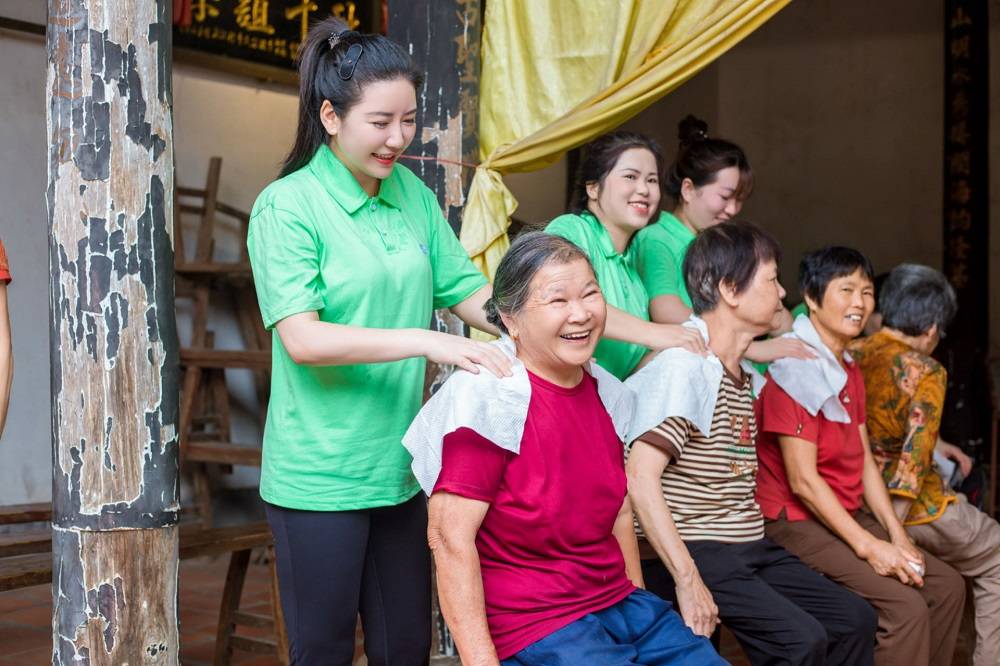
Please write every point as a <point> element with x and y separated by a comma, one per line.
<point>557,73</point>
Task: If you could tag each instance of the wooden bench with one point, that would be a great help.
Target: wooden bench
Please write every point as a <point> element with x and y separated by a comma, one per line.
<point>26,560</point>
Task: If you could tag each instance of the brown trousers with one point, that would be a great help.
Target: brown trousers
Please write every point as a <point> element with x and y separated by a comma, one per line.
<point>969,541</point>
<point>916,627</point>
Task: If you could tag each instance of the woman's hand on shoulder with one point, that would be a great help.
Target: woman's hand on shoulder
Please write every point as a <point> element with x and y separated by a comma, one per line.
<point>675,335</point>
<point>766,351</point>
<point>447,349</point>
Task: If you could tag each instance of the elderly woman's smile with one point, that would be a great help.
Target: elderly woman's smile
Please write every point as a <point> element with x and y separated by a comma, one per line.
<point>561,322</point>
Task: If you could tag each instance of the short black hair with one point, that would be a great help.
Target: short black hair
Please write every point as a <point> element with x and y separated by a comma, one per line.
<point>526,256</point>
<point>821,267</point>
<point>914,298</point>
<point>728,252</point>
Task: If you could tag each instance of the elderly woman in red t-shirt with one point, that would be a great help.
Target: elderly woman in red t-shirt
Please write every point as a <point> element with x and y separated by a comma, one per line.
<point>529,519</point>
<point>817,471</point>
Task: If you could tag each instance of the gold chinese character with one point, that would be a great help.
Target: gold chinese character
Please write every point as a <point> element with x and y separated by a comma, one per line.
<point>347,12</point>
<point>961,193</point>
<point>960,19</point>
<point>959,219</point>
<point>960,76</point>
<point>960,163</point>
<point>251,15</point>
<point>960,47</point>
<point>960,106</point>
<point>959,133</point>
<point>202,10</point>
<point>302,11</point>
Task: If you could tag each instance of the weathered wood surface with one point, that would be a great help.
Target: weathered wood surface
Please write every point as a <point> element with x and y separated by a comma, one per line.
<point>113,338</point>
<point>444,38</point>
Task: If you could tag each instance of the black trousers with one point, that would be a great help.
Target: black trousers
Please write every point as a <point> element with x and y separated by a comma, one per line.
<point>780,610</point>
<point>334,564</point>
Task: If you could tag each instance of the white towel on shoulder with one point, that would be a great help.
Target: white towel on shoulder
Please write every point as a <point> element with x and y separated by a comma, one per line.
<point>814,383</point>
<point>679,383</point>
<point>496,408</point>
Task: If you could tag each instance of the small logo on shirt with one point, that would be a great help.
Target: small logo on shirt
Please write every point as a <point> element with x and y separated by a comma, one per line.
<point>424,248</point>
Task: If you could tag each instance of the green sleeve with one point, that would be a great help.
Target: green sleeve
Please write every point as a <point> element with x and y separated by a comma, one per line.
<point>284,255</point>
<point>800,309</point>
<point>657,267</point>
<point>455,276</point>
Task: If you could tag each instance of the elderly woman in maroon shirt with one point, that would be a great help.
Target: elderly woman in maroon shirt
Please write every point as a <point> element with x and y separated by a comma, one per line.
<point>530,523</point>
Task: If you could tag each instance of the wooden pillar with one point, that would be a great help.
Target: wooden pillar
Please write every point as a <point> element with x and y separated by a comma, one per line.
<point>113,339</point>
<point>444,38</point>
<point>966,220</point>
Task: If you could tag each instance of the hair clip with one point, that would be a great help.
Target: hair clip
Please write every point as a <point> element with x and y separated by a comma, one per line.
<point>350,61</point>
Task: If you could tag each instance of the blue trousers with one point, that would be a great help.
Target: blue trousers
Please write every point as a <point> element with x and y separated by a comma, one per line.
<point>639,629</point>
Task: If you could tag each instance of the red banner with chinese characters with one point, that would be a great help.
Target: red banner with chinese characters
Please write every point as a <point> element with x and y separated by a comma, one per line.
<point>966,220</point>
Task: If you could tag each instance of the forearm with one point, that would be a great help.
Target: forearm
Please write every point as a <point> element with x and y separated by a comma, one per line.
<point>886,510</point>
<point>782,322</point>
<point>460,594</point>
<point>624,532</point>
<point>623,326</point>
<point>658,525</point>
<point>6,357</point>
<point>471,311</point>
<point>313,342</point>
<point>820,499</point>
<point>668,309</point>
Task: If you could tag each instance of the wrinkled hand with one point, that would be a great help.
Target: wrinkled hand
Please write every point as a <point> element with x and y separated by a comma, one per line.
<point>766,351</point>
<point>893,560</point>
<point>697,606</point>
<point>952,452</point>
<point>446,349</point>
<point>675,335</point>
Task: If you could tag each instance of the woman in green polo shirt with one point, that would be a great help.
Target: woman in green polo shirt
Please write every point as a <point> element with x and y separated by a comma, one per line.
<point>617,194</point>
<point>350,257</point>
<point>708,182</point>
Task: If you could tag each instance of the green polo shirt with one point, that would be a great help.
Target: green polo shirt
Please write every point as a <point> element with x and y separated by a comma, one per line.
<point>659,257</point>
<point>618,279</point>
<point>319,243</point>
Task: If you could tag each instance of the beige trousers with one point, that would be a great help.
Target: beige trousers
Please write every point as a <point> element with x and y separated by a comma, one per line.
<point>969,540</point>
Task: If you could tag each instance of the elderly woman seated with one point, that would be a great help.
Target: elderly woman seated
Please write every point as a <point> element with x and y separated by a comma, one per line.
<point>817,470</point>
<point>905,391</point>
<point>529,520</point>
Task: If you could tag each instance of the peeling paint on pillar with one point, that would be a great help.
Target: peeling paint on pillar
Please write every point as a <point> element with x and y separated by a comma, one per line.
<point>443,36</point>
<point>114,353</point>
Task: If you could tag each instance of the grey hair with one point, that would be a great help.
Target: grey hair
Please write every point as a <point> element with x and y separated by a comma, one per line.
<point>914,298</point>
<point>527,254</point>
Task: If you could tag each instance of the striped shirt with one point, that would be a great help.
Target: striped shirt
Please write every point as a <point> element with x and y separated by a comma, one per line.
<point>710,483</point>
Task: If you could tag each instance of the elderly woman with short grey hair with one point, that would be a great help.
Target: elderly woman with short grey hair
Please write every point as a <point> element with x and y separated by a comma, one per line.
<point>529,520</point>
<point>905,391</point>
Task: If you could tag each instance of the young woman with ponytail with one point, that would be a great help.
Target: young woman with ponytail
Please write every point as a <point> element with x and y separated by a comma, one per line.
<point>708,182</point>
<point>351,255</point>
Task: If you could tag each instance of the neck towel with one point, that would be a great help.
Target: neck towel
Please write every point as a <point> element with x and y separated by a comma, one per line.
<point>814,383</point>
<point>679,383</point>
<point>496,408</point>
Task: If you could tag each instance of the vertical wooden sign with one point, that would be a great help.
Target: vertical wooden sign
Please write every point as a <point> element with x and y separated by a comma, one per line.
<point>113,339</point>
<point>966,220</point>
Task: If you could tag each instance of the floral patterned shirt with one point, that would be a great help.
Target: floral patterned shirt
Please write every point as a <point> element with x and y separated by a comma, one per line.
<point>905,390</point>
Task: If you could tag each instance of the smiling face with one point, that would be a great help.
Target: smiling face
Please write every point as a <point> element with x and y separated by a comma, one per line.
<point>847,303</point>
<point>559,326</point>
<point>759,303</point>
<point>371,136</point>
<point>718,201</point>
<point>629,195</point>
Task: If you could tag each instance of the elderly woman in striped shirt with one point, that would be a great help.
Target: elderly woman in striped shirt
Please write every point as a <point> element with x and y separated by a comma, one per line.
<point>692,475</point>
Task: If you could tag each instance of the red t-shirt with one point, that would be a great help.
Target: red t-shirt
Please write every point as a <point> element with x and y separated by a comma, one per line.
<point>4,266</point>
<point>546,550</point>
<point>839,448</point>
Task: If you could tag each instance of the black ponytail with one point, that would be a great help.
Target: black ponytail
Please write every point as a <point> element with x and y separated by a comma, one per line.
<point>701,157</point>
<point>330,69</point>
